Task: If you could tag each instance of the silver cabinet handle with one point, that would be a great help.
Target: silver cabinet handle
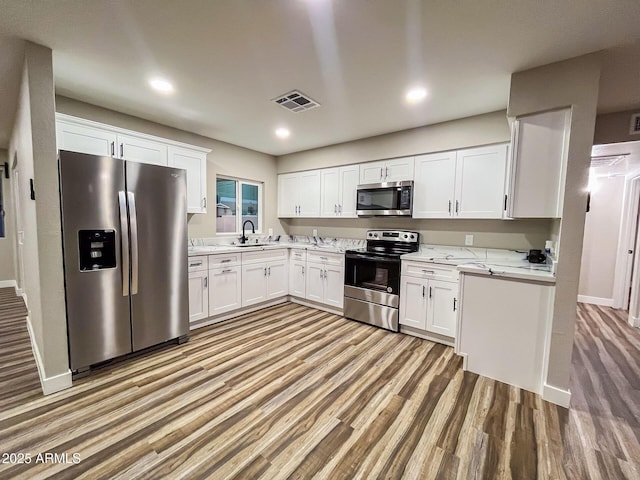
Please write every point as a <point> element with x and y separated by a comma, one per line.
<point>195,264</point>
<point>430,292</point>
<point>449,207</point>
<point>381,173</point>
<point>423,288</point>
<point>227,260</point>
<point>428,271</point>
<point>455,300</point>
<point>386,172</point>
<point>324,258</point>
<point>204,202</point>
<point>206,282</point>
<point>457,205</point>
<point>124,239</point>
<point>113,149</point>
<point>265,271</point>
<point>134,242</point>
<point>335,209</point>
<point>121,150</point>
<point>227,270</point>
<point>269,271</point>
<point>340,209</point>
<point>302,270</point>
<point>321,274</point>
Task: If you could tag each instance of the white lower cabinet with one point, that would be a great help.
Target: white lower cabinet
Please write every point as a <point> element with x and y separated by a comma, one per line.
<point>198,295</point>
<point>264,281</point>
<point>428,304</point>
<point>325,284</point>
<point>277,279</point>
<point>297,272</point>
<point>225,289</point>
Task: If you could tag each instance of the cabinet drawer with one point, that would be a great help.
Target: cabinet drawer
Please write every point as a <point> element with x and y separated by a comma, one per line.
<point>224,259</point>
<point>430,270</point>
<point>264,255</point>
<point>198,263</point>
<point>326,258</point>
<point>300,255</point>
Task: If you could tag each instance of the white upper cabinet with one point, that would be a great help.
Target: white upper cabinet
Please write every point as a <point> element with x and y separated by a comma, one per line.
<point>195,163</point>
<point>85,139</point>
<point>396,170</point>
<point>142,150</point>
<point>434,185</point>
<point>338,191</point>
<point>85,136</point>
<point>299,194</point>
<point>480,181</point>
<point>461,184</point>
<point>539,161</point>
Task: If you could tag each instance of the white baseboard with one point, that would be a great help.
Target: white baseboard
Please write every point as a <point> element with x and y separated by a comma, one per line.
<point>556,395</point>
<point>605,302</point>
<point>49,384</point>
<point>235,313</point>
<point>432,337</point>
<point>8,284</point>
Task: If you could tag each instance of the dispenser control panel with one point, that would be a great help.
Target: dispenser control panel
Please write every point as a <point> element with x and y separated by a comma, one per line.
<point>97,249</point>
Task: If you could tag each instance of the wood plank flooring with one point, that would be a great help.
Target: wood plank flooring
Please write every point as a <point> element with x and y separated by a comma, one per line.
<point>292,392</point>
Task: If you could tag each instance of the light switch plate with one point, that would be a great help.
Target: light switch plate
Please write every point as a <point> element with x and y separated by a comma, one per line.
<point>468,240</point>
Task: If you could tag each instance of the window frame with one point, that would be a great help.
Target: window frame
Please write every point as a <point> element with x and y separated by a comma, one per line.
<point>239,183</point>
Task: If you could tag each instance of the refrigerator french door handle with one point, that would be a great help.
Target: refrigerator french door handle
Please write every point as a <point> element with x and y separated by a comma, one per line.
<point>124,236</point>
<point>134,242</point>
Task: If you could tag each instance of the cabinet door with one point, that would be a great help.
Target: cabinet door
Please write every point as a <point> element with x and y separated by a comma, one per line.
<point>441,314</point>
<point>334,286</point>
<point>329,192</point>
<point>308,194</point>
<point>480,175</point>
<point>297,270</point>
<point>538,164</point>
<point>277,279</point>
<point>84,139</point>
<point>413,302</point>
<point>287,195</point>
<point>254,284</point>
<point>314,282</point>
<point>225,290</point>
<point>198,295</point>
<point>399,169</point>
<point>141,150</point>
<point>372,172</point>
<point>195,163</point>
<point>349,180</point>
<point>434,183</point>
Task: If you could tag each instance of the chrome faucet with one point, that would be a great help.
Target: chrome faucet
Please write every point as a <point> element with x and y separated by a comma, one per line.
<point>243,238</point>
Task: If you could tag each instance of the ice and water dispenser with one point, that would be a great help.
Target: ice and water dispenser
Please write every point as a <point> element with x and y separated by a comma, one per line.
<point>97,249</point>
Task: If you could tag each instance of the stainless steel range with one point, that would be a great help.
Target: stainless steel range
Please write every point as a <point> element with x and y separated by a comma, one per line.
<point>372,277</point>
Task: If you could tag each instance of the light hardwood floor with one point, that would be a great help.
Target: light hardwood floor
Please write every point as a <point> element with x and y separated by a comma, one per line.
<point>292,392</point>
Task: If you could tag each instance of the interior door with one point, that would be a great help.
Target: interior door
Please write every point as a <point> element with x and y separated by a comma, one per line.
<point>157,201</point>
<point>18,228</point>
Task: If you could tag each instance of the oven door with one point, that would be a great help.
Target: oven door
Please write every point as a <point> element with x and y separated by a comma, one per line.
<point>374,278</point>
<point>385,199</point>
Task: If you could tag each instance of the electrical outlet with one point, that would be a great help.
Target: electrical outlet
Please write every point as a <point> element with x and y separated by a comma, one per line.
<point>468,240</point>
<point>315,232</point>
<point>271,232</point>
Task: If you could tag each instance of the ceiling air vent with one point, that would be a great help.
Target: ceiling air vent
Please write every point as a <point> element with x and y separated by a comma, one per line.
<point>296,101</point>
<point>607,160</point>
<point>635,124</point>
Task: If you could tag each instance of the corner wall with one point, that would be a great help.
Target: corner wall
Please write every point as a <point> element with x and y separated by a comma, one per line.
<point>614,128</point>
<point>33,144</point>
<point>571,83</point>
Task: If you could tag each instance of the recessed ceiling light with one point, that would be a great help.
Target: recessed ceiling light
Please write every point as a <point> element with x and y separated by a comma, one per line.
<point>416,95</point>
<point>282,132</point>
<point>161,85</point>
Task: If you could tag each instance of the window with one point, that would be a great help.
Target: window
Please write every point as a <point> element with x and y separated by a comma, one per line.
<point>236,202</point>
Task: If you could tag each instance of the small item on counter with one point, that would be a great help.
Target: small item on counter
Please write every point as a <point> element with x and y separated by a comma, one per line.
<point>536,256</point>
<point>547,247</point>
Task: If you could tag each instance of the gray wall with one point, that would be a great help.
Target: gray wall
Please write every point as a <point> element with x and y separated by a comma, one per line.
<point>33,144</point>
<point>572,83</point>
<point>614,128</point>
<point>466,132</point>
<point>7,271</point>
<point>224,159</point>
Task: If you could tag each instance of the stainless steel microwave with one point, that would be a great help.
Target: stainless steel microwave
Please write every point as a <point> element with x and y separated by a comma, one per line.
<point>393,199</point>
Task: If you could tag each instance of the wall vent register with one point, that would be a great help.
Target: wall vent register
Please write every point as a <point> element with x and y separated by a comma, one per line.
<point>296,102</point>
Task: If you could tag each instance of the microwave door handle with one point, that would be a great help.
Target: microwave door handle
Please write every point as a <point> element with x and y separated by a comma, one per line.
<point>124,239</point>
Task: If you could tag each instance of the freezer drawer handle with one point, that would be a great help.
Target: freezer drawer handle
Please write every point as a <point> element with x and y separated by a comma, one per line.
<point>134,242</point>
<point>124,238</point>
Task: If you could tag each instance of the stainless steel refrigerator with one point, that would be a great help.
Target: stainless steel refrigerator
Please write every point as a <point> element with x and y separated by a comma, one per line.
<point>124,228</point>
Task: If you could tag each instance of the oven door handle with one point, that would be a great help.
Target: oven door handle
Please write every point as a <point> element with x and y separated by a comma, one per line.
<point>361,256</point>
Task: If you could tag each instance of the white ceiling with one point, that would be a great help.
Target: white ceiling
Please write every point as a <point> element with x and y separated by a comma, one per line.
<point>229,58</point>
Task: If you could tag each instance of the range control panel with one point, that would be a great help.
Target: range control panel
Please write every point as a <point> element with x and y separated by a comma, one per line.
<point>393,236</point>
<point>97,249</point>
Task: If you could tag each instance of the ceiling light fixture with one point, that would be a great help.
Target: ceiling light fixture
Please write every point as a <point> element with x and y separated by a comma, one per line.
<point>416,95</point>
<point>282,132</point>
<point>161,85</point>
